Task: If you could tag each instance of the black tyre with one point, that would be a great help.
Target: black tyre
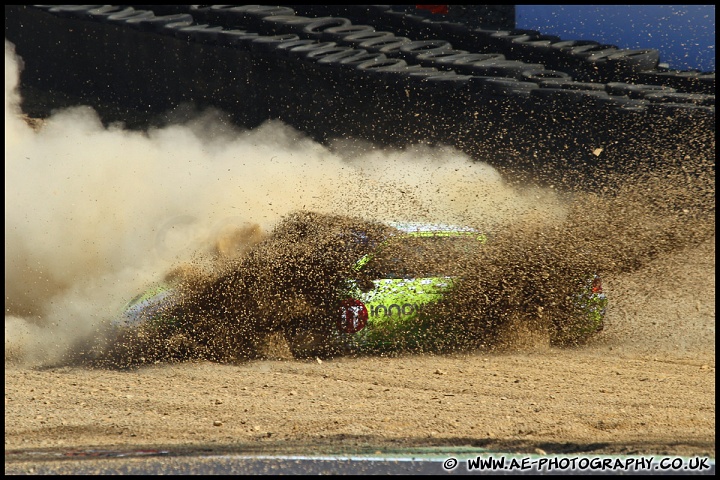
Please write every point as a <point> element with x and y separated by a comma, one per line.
<point>285,47</point>
<point>71,11</point>
<point>502,68</point>
<point>392,49</point>
<point>320,53</point>
<point>411,50</point>
<point>627,62</point>
<point>123,16</point>
<point>463,63</point>
<point>316,29</point>
<point>381,65</point>
<point>567,45</point>
<point>279,24</point>
<point>592,52</point>
<point>333,60</point>
<point>302,51</point>
<point>254,17</point>
<point>352,62</point>
<point>431,59</point>
<point>378,44</point>
<point>105,11</point>
<point>447,80</point>
<point>269,43</point>
<point>635,90</point>
<point>157,24</point>
<point>338,34</point>
<point>539,76</point>
<point>198,33</point>
<point>356,39</point>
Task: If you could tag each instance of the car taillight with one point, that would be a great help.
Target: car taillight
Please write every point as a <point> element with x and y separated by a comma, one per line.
<point>596,287</point>
<point>353,316</point>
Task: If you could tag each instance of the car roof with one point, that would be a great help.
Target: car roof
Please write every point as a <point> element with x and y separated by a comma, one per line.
<point>423,228</point>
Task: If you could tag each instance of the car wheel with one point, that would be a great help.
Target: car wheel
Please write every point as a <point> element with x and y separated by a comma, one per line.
<point>310,343</point>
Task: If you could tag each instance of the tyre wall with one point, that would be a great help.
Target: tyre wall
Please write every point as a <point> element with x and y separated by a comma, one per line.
<point>370,72</point>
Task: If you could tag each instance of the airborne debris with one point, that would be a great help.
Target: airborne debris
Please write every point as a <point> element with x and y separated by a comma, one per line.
<point>280,284</point>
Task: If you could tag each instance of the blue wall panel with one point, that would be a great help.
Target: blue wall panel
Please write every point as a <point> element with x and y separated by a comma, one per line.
<point>684,34</point>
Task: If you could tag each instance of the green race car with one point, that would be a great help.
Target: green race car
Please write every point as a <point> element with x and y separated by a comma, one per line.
<point>407,275</point>
<point>389,301</point>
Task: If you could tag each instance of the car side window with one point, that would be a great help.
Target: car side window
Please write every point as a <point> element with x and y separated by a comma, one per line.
<point>421,256</point>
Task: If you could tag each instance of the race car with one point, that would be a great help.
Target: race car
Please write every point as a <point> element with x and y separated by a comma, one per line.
<point>388,304</point>
<point>385,304</point>
<point>389,299</point>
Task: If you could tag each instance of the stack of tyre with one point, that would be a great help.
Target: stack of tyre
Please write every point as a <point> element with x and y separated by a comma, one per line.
<point>363,71</point>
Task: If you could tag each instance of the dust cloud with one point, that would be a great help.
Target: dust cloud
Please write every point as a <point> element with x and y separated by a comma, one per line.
<point>93,214</point>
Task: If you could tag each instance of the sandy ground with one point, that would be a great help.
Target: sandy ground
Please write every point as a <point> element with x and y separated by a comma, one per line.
<point>647,386</point>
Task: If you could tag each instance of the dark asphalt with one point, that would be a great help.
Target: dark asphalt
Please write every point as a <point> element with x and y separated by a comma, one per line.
<point>307,465</point>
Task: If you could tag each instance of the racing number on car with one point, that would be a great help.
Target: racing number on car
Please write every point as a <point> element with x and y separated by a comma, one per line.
<point>353,316</point>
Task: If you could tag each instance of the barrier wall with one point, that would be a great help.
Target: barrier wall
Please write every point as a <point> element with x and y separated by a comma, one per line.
<point>367,72</point>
